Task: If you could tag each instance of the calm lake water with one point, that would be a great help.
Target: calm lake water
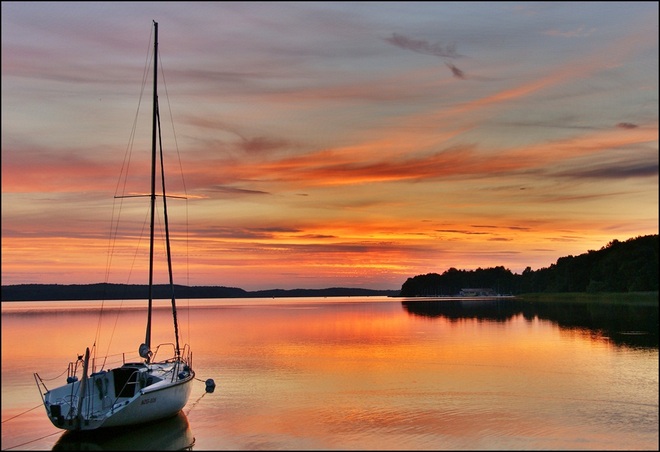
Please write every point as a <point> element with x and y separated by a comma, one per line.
<point>359,373</point>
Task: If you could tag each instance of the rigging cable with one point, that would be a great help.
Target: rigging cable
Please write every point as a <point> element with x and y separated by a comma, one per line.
<point>21,414</point>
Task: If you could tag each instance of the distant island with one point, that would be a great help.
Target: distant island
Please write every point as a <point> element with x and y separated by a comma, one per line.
<point>629,266</point>
<point>105,291</point>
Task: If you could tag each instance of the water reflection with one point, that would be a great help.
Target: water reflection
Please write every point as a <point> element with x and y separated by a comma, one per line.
<point>169,434</point>
<point>622,324</point>
<point>320,374</point>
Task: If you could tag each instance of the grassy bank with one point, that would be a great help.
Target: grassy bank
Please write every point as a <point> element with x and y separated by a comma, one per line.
<point>636,298</point>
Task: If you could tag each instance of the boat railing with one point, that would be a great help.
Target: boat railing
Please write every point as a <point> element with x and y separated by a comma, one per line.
<point>118,359</point>
<point>71,376</point>
<point>111,361</point>
<point>167,344</point>
<point>40,385</point>
<point>184,354</point>
<point>182,361</point>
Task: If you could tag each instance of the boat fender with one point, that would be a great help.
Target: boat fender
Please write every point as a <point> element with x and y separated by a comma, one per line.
<point>210,385</point>
<point>71,379</point>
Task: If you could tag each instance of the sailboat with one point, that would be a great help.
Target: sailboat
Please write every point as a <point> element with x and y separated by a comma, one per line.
<point>146,389</point>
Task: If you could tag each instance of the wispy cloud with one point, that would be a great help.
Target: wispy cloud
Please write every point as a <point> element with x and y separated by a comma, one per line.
<point>424,47</point>
<point>622,170</point>
<point>455,71</point>
<point>437,49</point>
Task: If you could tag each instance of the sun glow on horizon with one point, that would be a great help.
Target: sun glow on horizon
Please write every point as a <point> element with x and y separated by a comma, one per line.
<point>358,153</point>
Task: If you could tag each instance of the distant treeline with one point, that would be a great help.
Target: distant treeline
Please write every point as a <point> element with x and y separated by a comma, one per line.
<point>102,291</point>
<point>630,266</point>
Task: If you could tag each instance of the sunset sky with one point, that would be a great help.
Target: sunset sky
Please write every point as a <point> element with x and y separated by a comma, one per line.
<point>350,144</point>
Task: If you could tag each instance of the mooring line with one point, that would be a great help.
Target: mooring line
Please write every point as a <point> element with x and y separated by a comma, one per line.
<point>21,414</point>
<point>33,440</point>
<point>195,403</point>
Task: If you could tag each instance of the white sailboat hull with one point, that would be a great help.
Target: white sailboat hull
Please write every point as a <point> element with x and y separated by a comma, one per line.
<point>129,395</point>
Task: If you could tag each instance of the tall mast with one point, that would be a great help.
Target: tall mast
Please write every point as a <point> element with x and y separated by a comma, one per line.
<point>147,341</point>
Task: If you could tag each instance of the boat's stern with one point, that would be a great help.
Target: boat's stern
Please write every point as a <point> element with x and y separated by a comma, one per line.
<point>62,405</point>
<point>66,410</point>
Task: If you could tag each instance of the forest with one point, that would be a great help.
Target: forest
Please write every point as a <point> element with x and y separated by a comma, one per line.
<point>628,266</point>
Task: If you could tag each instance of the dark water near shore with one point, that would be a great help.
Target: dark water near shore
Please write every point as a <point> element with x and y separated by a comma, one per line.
<point>361,373</point>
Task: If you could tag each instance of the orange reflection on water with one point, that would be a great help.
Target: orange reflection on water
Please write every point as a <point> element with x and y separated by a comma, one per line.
<point>323,374</point>
<point>60,331</point>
